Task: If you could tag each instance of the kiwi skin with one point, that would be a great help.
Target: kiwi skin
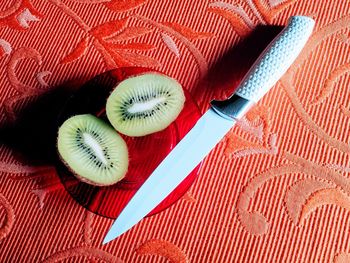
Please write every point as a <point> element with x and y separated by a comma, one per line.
<point>121,143</point>
<point>83,179</point>
<point>168,101</point>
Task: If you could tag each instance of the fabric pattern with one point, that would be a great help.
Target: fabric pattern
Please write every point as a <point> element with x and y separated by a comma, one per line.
<point>276,189</point>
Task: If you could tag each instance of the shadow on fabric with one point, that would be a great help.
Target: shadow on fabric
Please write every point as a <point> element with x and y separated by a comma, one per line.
<point>32,136</point>
<point>225,74</point>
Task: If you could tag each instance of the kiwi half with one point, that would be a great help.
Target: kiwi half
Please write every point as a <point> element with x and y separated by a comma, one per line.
<point>145,104</point>
<point>92,150</point>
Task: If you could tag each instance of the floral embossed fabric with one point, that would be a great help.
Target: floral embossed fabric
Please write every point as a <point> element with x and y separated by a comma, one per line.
<point>276,189</point>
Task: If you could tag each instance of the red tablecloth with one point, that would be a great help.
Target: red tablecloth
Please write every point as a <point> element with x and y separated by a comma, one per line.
<point>276,189</point>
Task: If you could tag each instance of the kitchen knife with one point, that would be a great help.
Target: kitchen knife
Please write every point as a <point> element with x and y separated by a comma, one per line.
<point>215,123</point>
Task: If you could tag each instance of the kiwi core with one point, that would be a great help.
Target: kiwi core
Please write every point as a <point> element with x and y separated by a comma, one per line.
<point>147,105</point>
<point>95,146</point>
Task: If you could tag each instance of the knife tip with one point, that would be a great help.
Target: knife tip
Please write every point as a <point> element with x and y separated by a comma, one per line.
<point>106,240</point>
<point>111,235</point>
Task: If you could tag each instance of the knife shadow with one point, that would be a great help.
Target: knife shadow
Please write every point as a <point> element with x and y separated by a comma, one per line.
<point>225,74</point>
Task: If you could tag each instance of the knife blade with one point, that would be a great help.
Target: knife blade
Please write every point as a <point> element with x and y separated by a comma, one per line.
<point>270,66</point>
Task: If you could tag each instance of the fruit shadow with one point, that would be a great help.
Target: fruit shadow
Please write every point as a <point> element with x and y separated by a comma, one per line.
<point>225,74</point>
<point>32,135</point>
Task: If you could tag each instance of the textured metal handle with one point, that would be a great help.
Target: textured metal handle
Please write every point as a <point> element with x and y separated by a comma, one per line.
<point>268,68</point>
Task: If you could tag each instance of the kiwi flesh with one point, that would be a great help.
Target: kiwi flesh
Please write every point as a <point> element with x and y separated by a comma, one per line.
<point>92,150</point>
<point>145,104</point>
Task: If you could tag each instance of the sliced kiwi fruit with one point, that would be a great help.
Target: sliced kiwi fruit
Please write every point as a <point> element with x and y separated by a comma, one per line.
<point>145,104</point>
<point>92,150</point>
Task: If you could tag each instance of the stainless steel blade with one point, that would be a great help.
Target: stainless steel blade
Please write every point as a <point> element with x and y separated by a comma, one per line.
<point>187,154</point>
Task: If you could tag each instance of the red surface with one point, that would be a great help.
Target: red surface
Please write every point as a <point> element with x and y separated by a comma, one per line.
<point>276,189</point>
<point>145,153</point>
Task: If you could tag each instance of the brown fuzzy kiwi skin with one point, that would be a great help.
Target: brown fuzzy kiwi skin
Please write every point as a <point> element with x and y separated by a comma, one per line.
<point>83,179</point>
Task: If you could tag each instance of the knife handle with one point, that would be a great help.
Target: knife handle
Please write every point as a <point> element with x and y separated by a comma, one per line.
<point>270,66</point>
